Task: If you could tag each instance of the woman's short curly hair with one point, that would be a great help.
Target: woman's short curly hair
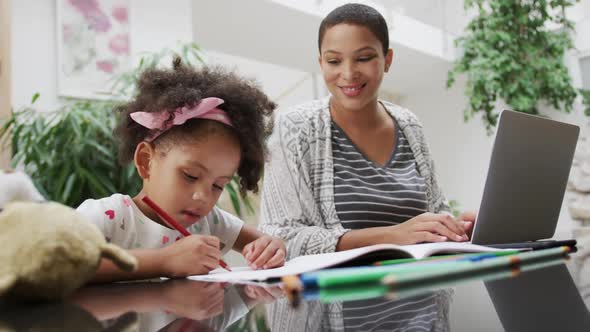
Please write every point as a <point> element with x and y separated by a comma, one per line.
<point>168,89</point>
<point>356,14</point>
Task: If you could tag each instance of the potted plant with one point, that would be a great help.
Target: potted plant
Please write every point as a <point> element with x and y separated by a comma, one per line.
<point>509,53</point>
<point>71,154</point>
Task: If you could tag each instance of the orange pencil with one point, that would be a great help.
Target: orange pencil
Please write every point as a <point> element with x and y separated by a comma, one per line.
<point>173,223</point>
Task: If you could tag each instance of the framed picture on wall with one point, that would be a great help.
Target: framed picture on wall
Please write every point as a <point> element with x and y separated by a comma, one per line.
<point>93,46</point>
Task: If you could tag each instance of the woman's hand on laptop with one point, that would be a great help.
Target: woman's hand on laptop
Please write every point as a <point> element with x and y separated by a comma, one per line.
<point>426,227</point>
<point>429,227</point>
<point>467,220</point>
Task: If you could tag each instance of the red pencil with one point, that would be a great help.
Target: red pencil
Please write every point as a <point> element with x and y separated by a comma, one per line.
<point>173,223</point>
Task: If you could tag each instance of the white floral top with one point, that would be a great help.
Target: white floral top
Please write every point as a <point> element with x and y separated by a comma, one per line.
<point>123,224</point>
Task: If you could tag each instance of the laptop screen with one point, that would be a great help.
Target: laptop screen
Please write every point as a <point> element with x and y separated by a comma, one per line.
<point>526,181</point>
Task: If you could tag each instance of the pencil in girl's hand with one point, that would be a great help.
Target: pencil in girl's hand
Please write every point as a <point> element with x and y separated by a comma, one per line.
<point>173,223</point>
<point>224,265</point>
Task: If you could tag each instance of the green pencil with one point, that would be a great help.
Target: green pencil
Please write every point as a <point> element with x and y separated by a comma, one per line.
<point>488,275</point>
<point>358,275</point>
<point>444,257</point>
<point>398,279</point>
<point>352,293</point>
<point>367,291</point>
<point>410,272</point>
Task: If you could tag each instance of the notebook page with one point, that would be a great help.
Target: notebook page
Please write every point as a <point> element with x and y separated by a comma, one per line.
<point>297,265</point>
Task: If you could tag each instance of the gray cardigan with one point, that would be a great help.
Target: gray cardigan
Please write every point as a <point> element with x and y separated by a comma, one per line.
<point>298,189</point>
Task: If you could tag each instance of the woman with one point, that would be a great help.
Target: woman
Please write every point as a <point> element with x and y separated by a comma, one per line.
<point>352,170</point>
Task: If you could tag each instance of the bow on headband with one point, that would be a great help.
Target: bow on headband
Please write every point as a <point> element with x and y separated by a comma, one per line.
<point>206,109</point>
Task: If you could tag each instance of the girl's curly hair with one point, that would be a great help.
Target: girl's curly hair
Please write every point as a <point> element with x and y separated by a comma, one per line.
<point>168,89</point>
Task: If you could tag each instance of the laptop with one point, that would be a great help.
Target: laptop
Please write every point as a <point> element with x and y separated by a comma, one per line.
<point>526,181</point>
<point>541,300</point>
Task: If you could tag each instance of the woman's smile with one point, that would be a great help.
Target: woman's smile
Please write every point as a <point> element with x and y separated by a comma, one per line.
<point>352,90</point>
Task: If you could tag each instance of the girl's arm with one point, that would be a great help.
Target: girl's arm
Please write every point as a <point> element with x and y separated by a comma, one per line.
<point>187,298</point>
<point>106,302</point>
<point>247,234</point>
<point>149,266</point>
<point>260,250</point>
<point>195,254</point>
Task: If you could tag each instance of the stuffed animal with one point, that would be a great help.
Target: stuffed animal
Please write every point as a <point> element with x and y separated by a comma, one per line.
<point>17,186</point>
<point>60,316</point>
<point>49,250</point>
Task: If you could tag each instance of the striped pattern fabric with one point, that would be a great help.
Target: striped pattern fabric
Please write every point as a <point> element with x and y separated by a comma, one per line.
<point>298,198</point>
<point>421,313</point>
<point>297,203</point>
<point>370,195</point>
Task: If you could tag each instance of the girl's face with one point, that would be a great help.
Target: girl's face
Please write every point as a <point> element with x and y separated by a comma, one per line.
<point>353,65</point>
<point>187,179</point>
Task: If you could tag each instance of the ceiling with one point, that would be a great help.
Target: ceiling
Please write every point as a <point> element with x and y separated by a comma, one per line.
<point>276,32</point>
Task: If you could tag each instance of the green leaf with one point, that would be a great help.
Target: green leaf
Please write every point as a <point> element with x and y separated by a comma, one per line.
<point>234,197</point>
<point>65,195</point>
<point>103,150</point>
<point>35,97</point>
<point>508,54</point>
<point>72,152</point>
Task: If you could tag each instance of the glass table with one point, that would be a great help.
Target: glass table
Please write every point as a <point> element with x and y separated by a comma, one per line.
<point>548,296</point>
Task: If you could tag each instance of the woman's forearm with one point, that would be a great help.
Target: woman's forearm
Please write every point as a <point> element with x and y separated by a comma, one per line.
<point>364,237</point>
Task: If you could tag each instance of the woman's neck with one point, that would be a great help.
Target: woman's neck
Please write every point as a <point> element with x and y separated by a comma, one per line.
<point>369,117</point>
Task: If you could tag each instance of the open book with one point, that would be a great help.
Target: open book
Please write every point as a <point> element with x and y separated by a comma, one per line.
<point>353,257</point>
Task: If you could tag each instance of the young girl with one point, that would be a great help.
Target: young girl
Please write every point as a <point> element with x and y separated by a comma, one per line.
<point>187,131</point>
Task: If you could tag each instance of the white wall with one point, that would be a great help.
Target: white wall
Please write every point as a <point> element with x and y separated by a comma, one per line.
<point>286,86</point>
<point>461,150</point>
<point>34,56</point>
<point>154,25</point>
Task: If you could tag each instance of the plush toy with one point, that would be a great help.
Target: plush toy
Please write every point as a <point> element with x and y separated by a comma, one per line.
<point>49,250</point>
<point>60,316</point>
<point>17,186</point>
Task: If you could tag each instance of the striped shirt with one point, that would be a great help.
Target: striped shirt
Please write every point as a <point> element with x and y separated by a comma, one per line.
<point>370,195</point>
<point>420,313</point>
<point>297,202</point>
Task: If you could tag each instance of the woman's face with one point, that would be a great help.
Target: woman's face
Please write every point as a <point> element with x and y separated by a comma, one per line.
<point>353,64</point>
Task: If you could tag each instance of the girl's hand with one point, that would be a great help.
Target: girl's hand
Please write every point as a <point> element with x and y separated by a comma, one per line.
<point>258,294</point>
<point>192,299</point>
<point>195,254</point>
<point>265,252</point>
<point>427,227</point>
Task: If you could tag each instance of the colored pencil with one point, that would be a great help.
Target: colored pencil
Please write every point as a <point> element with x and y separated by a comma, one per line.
<point>418,270</point>
<point>365,291</point>
<point>452,257</point>
<point>293,287</point>
<point>400,279</point>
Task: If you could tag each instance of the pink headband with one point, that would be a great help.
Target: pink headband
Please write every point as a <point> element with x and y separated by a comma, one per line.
<point>205,109</point>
